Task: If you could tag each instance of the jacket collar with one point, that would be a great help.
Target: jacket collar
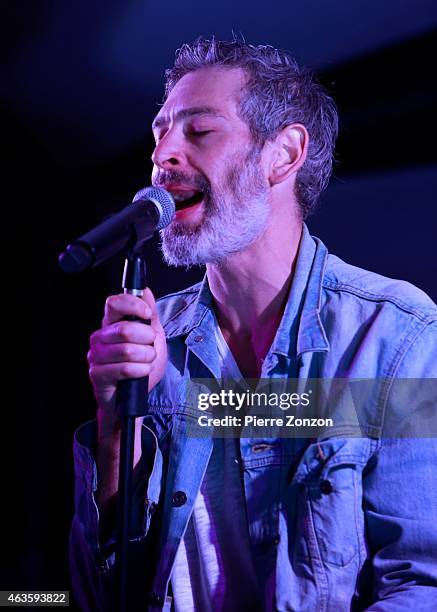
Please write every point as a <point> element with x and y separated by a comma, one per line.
<point>314,255</point>
<point>301,333</point>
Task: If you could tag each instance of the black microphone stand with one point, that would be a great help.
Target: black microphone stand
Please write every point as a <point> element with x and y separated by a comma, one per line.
<point>153,209</point>
<point>131,403</point>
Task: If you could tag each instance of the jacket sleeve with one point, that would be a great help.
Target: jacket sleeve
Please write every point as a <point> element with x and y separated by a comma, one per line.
<point>92,561</point>
<point>400,489</point>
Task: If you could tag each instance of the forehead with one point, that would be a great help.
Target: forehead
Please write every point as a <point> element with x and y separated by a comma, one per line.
<point>216,88</point>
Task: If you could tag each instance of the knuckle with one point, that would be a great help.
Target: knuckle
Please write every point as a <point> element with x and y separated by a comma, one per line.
<point>95,337</point>
<point>127,351</point>
<point>126,370</point>
<point>122,331</point>
<point>139,307</point>
<point>109,303</point>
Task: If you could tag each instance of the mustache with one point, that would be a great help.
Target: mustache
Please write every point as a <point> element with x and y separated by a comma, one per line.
<point>198,182</point>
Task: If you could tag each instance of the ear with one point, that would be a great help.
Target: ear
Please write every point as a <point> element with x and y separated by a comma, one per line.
<point>289,152</point>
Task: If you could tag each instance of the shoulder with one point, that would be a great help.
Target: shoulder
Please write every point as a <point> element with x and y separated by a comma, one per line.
<point>375,325</point>
<point>370,291</point>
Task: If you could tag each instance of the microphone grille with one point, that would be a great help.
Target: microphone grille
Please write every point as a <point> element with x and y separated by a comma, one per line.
<point>163,200</point>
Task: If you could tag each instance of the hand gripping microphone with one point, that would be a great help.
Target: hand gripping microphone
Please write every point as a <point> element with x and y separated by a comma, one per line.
<point>152,209</point>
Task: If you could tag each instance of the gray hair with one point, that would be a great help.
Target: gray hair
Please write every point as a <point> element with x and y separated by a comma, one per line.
<point>277,94</point>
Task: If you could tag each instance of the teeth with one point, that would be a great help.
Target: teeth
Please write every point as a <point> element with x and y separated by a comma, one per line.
<point>184,195</point>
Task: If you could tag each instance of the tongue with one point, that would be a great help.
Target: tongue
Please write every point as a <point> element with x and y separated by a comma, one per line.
<point>195,199</point>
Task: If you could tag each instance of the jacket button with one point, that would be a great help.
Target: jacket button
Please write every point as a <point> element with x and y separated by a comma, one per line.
<point>155,599</point>
<point>198,338</point>
<point>179,498</point>
<point>325,487</point>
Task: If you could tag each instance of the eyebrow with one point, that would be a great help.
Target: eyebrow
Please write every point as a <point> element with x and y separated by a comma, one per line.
<point>186,112</point>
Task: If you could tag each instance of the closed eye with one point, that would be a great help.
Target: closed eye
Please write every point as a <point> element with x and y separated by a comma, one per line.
<point>199,133</point>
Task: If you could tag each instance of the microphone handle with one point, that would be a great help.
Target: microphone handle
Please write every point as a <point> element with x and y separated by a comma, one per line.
<point>132,393</point>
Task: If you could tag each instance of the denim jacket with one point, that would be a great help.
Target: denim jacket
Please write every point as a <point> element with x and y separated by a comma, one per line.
<point>355,518</point>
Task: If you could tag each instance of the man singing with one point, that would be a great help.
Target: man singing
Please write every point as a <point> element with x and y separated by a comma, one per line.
<point>244,142</point>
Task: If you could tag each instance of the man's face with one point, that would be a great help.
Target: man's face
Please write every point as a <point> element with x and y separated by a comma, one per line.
<point>206,158</point>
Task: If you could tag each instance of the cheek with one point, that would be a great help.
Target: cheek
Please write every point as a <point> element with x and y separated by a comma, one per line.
<point>223,167</point>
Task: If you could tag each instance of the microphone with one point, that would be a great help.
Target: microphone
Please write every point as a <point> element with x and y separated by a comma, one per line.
<point>152,209</point>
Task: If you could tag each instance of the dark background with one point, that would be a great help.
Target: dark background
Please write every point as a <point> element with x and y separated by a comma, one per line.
<point>80,84</point>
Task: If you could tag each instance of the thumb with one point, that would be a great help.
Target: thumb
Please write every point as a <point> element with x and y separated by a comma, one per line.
<point>149,299</point>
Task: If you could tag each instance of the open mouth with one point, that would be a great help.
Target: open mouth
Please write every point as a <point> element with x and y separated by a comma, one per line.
<point>185,199</point>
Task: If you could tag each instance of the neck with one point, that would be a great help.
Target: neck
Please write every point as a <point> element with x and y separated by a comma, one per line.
<point>250,289</point>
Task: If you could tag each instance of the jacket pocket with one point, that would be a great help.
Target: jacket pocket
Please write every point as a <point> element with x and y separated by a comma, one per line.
<point>330,519</point>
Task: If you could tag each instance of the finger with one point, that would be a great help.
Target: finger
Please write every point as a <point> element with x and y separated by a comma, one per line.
<point>117,307</point>
<point>123,352</point>
<point>110,374</point>
<point>124,331</point>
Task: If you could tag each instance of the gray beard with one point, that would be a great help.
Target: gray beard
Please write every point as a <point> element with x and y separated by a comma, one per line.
<point>231,222</point>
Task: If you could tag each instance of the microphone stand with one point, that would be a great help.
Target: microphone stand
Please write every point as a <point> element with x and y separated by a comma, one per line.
<point>153,209</point>
<point>131,403</point>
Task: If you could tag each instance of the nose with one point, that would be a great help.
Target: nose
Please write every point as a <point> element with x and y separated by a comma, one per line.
<point>168,152</point>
